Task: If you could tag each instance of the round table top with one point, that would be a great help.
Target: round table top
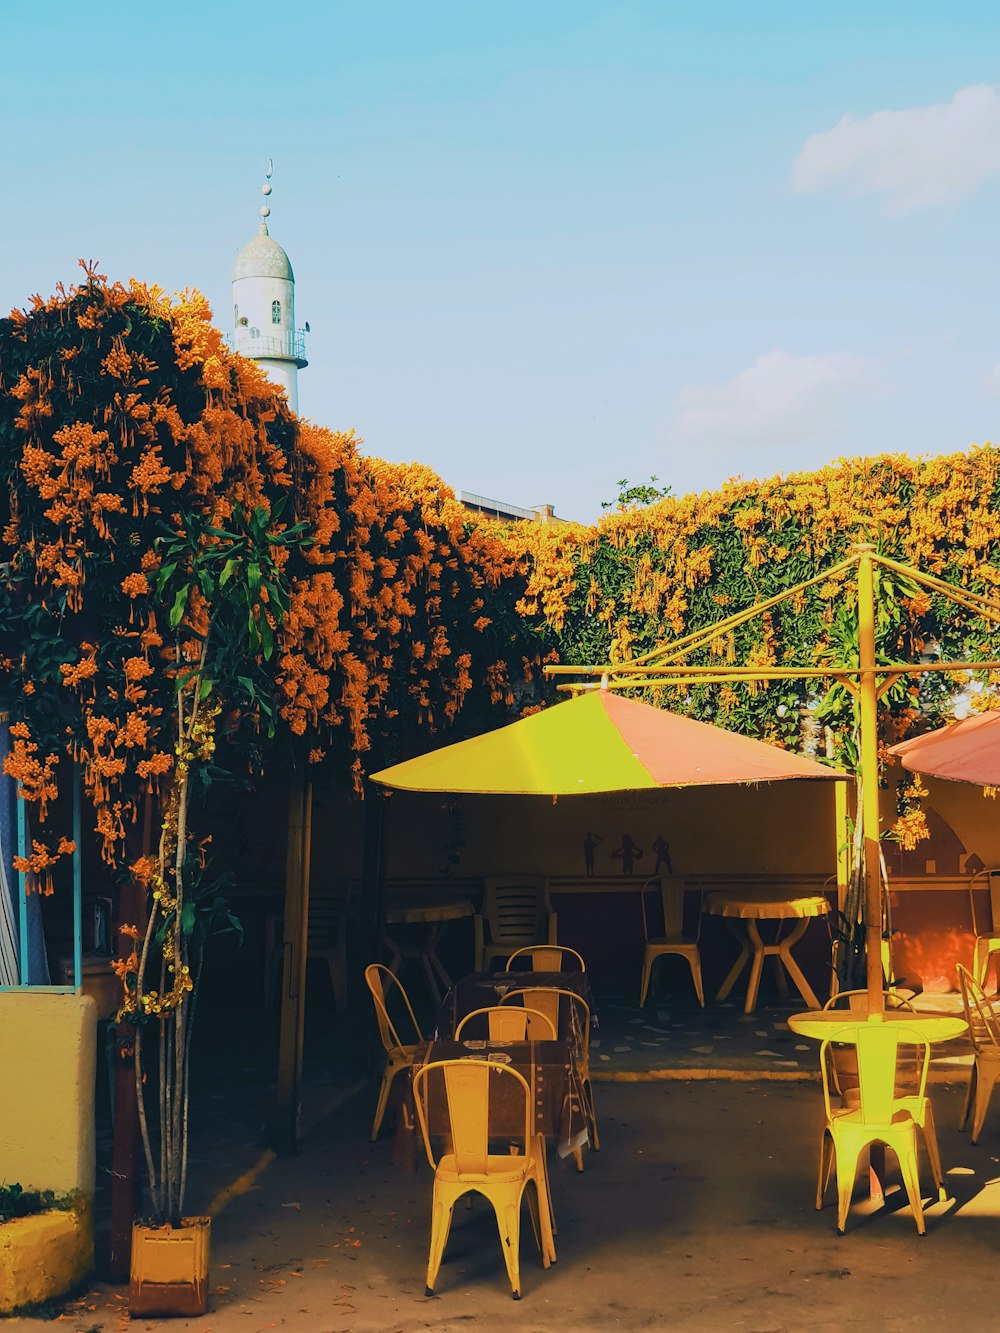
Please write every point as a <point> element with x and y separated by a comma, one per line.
<point>428,910</point>
<point>826,1024</point>
<point>750,903</point>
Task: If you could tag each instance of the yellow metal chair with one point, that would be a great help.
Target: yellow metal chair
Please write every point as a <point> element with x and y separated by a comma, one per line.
<point>469,1166</point>
<point>398,1055</point>
<point>984,1029</point>
<point>879,1117</point>
<point>547,957</point>
<point>844,1075</point>
<point>988,941</point>
<point>516,911</point>
<point>509,1024</point>
<point>547,1000</point>
<point>673,940</point>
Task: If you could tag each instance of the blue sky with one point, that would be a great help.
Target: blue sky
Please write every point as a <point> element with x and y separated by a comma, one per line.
<point>545,245</point>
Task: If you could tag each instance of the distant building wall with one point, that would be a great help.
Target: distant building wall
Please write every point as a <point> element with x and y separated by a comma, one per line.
<point>481,504</point>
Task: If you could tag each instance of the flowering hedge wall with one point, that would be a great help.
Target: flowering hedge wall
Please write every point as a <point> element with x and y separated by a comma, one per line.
<point>646,575</point>
<point>163,513</point>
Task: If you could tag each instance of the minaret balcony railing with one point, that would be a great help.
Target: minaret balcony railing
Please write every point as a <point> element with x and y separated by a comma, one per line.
<point>291,347</point>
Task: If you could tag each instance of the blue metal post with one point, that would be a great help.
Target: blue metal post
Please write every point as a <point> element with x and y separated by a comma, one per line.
<point>22,889</point>
<point>77,884</point>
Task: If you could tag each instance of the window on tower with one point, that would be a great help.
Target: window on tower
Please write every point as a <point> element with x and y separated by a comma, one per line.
<point>275,312</point>
<point>236,314</point>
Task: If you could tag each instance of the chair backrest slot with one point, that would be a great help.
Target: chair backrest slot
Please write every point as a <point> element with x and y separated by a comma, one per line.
<point>672,890</point>
<point>469,1087</point>
<point>988,879</point>
<point>993,884</point>
<point>547,957</point>
<point>845,1058</point>
<point>984,1024</point>
<point>547,1001</point>
<point>877,1047</point>
<point>672,898</point>
<point>510,1023</point>
<point>382,981</point>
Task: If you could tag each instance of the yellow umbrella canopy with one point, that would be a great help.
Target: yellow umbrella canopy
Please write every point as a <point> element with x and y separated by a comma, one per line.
<point>599,742</point>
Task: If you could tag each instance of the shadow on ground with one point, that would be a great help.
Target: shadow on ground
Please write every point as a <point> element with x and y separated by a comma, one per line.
<point>697,1214</point>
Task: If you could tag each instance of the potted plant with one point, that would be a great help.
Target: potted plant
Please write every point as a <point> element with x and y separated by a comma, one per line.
<point>227,594</point>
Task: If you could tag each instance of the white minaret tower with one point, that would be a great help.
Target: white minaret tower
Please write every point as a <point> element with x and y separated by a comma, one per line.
<point>264,307</point>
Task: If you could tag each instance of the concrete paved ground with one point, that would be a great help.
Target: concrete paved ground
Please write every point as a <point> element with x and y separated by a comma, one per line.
<point>673,1034</point>
<point>696,1215</point>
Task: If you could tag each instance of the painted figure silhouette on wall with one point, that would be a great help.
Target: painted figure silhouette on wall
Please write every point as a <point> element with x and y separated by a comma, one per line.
<point>628,853</point>
<point>590,842</point>
<point>662,849</point>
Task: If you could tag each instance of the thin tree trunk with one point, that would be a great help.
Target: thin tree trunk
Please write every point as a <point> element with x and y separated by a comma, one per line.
<point>187,1075</point>
<point>168,1046</point>
<point>164,1103</point>
<point>140,1097</point>
<point>178,1145</point>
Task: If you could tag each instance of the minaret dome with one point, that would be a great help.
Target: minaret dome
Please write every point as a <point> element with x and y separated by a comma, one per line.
<point>264,307</point>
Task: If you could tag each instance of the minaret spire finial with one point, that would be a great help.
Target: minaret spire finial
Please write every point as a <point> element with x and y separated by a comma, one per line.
<point>265,190</point>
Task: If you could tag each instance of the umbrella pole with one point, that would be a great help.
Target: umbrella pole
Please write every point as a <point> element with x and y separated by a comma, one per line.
<point>868,691</point>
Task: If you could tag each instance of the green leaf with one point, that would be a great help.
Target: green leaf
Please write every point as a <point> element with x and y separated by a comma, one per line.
<point>177,610</point>
<point>184,677</point>
<point>166,573</point>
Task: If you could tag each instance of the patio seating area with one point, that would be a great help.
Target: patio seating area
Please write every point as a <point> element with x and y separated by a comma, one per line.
<point>700,1205</point>
<point>529,1083</point>
<point>490,1074</point>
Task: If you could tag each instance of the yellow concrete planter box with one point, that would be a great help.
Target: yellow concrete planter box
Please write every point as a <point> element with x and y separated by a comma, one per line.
<point>170,1269</point>
<point>43,1256</point>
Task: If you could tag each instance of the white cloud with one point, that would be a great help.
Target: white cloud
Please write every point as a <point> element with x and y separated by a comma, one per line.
<point>926,156</point>
<point>780,399</point>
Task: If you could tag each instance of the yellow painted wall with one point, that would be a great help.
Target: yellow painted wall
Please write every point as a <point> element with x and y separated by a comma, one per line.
<point>973,816</point>
<point>782,827</point>
<point>48,1046</point>
<point>43,1256</point>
